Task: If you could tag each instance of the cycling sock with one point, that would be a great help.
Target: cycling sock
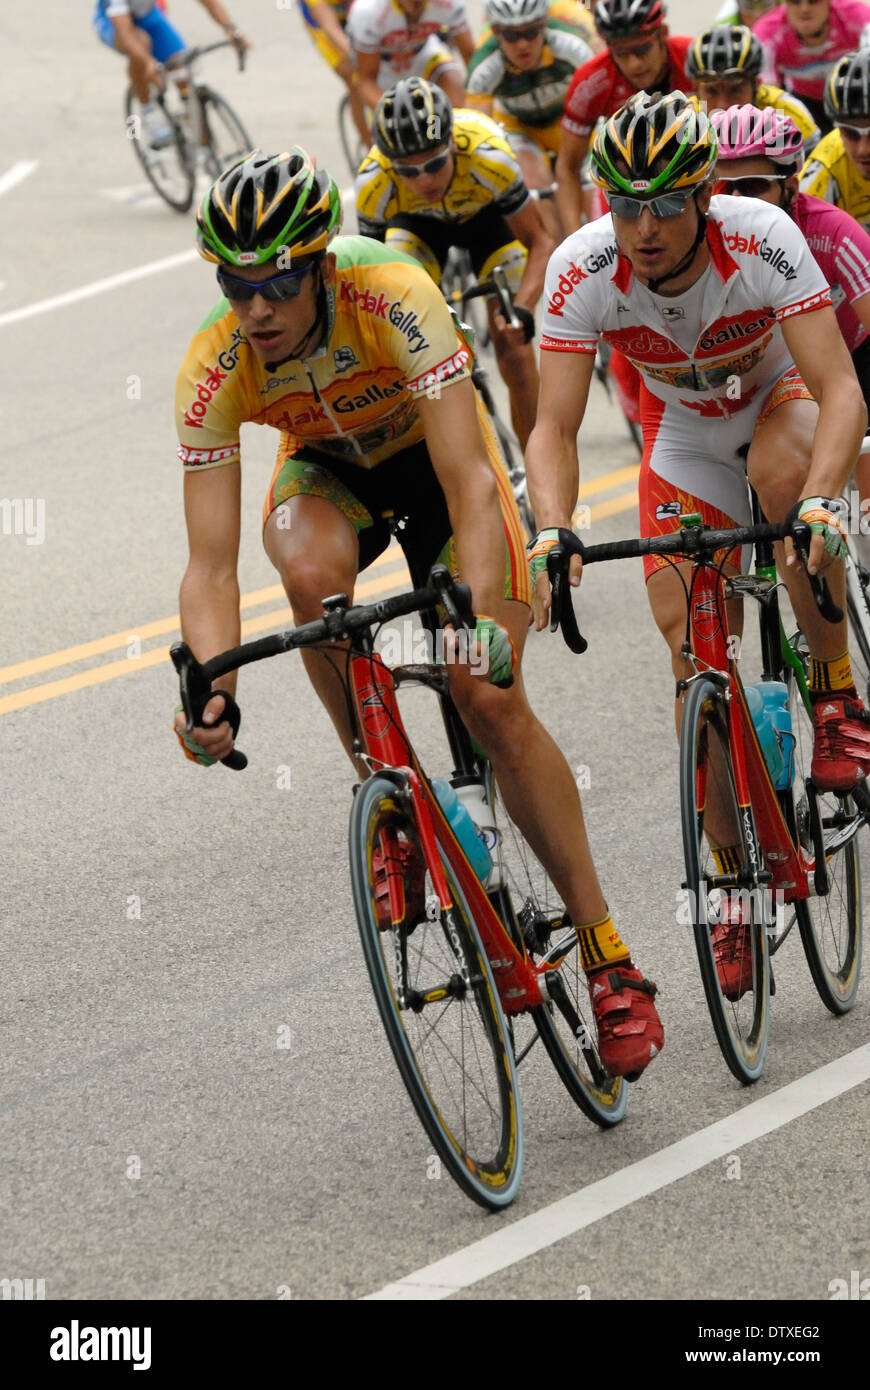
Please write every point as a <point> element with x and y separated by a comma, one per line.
<point>600,944</point>
<point>726,858</point>
<point>832,677</point>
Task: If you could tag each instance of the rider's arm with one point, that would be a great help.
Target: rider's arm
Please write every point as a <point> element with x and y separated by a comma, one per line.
<point>367,66</point>
<point>220,16</point>
<point>464,41</point>
<point>569,163</point>
<point>820,355</point>
<point>528,226</point>
<point>552,467</point>
<point>466,476</point>
<point>209,597</point>
<point>324,14</point>
<point>130,39</point>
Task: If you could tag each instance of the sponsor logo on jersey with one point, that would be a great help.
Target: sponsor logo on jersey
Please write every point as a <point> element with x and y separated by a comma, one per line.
<point>815,301</point>
<point>193,458</point>
<point>274,382</point>
<point>313,415</point>
<point>372,394</point>
<point>644,343</point>
<point>447,370</point>
<point>226,362</point>
<point>593,263</point>
<point>751,246</point>
<point>565,287</point>
<point>725,331</point>
<point>392,311</point>
<point>344,357</point>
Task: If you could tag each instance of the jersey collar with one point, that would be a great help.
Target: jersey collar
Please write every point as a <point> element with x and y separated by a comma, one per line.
<point>723,262</point>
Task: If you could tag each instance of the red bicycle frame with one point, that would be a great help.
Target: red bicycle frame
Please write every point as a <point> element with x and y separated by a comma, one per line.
<point>786,864</point>
<point>521,983</point>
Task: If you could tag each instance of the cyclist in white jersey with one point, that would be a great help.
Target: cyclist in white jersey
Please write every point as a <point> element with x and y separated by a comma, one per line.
<point>392,39</point>
<point>722,309</point>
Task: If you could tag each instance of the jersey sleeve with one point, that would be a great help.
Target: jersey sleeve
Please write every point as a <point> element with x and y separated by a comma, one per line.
<point>585,100</point>
<point>818,180</point>
<point>852,257</point>
<point>207,411</point>
<point>458,20</point>
<point>362,30</point>
<point>374,194</point>
<point>485,71</point>
<point>497,170</point>
<point>570,322</point>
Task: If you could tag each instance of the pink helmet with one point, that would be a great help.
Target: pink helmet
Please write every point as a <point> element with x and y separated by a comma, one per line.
<point>743,131</point>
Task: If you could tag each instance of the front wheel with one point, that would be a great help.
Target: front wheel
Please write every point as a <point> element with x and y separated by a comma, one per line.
<point>437,999</point>
<point>167,159</point>
<point>728,919</point>
<point>227,138</point>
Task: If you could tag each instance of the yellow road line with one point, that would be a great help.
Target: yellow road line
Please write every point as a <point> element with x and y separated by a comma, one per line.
<point>381,584</point>
<point>608,481</point>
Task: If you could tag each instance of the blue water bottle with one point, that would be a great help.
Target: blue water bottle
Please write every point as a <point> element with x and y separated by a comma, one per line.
<point>768,705</point>
<point>463,828</point>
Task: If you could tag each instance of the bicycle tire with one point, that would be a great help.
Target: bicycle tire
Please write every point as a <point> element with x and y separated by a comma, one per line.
<point>477,1132</point>
<point>831,927</point>
<point>351,144</point>
<point>162,166</point>
<point>858,612</point>
<point>214,105</point>
<point>456,277</point>
<point>742,1025</point>
<point>538,913</point>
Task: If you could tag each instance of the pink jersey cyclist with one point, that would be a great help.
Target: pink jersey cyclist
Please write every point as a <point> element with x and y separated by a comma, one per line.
<point>715,354</point>
<point>800,58</point>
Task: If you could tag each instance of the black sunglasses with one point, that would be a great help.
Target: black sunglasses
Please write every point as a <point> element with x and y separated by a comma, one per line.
<point>750,185</point>
<point>517,35</point>
<point>276,289</point>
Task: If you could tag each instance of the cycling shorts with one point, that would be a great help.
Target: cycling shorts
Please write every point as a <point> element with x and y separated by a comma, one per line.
<point>486,236</point>
<point>680,474</point>
<point>430,62</point>
<point>326,46</point>
<point>405,486</point>
<point>165,38</point>
<point>537,139</point>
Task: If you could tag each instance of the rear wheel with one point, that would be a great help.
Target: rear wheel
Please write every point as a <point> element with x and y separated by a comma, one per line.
<point>437,1000</point>
<point>168,167</point>
<point>831,926</point>
<point>710,814</point>
<point>566,1023</point>
<point>228,140</point>
<point>354,149</point>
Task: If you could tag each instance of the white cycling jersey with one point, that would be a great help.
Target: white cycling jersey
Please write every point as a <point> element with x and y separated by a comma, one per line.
<point>711,350</point>
<point>379,26</point>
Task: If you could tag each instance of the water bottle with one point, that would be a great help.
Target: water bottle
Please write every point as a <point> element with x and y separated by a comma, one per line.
<point>473,797</point>
<point>463,828</point>
<point>768,704</point>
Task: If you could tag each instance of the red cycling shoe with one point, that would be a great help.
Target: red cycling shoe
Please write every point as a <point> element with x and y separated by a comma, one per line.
<point>732,952</point>
<point>841,750</point>
<point>630,1032</point>
<point>408,870</point>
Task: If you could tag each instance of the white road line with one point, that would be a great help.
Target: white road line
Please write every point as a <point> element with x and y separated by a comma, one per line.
<point>16,174</point>
<point>112,282</point>
<point>544,1228</point>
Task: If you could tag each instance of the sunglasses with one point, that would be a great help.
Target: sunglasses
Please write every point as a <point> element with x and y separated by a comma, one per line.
<point>751,185</point>
<point>639,50</point>
<point>803,2</point>
<point>853,132</point>
<point>532,31</point>
<point>666,205</point>
<point>276,289</point>
<point>413,171</point>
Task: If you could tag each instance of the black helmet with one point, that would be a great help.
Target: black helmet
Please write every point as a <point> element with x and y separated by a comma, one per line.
<point>847,90</point>
<point>654,144</point>
<point>412,117</point>
<point>726,50</point>
<point>619,19</point>
<point>265,204</point>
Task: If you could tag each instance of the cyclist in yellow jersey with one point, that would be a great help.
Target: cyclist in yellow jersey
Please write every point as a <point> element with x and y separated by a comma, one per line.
<point>520,74</point>
<point>724,63</point>
<point>839,168</point>
<point>348,348</point>
<point>436,178</point>
<point>325,21</point>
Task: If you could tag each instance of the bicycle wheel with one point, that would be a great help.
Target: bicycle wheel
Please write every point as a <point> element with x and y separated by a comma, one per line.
<point>227,138</point>
<point>858,611</point>
<point>708,799</point>
<point>456,277</point>
<point>170,169</point>
<point>566,1026</point>
<point>353,147</point>
<point>831,927</point>
<point>439,1006</point>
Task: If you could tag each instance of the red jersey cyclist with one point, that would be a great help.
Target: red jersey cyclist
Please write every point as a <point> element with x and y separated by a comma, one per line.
<point>719,304</point>
<point>354,356</point>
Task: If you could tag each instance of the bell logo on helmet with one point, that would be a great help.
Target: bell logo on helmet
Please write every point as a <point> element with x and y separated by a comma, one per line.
<point>246,257</point>
<point>640,185</point>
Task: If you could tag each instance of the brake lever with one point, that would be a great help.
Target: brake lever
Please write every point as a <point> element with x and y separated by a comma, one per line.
<point>456,601</point>
<point>561,608</point>
<point>195,694</point>
<point>830,611</point>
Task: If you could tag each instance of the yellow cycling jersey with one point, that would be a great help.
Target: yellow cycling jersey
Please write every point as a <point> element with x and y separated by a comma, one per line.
<point>768,96</point>
<point>486,175</point>
<point>830,174</point>
<point>391,339</point>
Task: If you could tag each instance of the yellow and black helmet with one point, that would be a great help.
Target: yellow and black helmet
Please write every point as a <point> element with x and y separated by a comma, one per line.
<point>726,50</point>
<point>847,89</point>
<point>654,144</point>
<point>265,204</point>
<point>412,117</point>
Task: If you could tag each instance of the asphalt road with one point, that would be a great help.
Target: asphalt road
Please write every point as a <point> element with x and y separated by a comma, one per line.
<point>198,1098</point>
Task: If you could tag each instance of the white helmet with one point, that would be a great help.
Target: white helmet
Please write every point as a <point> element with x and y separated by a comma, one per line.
<point>511,12</point>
